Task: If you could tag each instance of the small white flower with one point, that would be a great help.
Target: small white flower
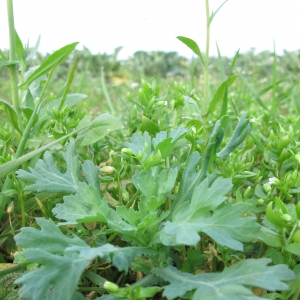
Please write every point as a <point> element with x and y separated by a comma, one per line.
<point>273,180</point>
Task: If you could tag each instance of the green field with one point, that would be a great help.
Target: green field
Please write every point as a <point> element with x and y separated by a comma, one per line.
<point>156,177</point>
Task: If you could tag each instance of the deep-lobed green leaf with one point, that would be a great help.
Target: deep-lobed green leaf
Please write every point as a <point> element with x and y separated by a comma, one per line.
<point>49,238</point>
<point>166,144</point>
<point>46,176</point>
<point>85,206</point>
<point>63,260</point>
<point>230,284</point>
<point>121,258</point>
<point>59,273</point>
<point>162,182</point>
<point>226,225</point>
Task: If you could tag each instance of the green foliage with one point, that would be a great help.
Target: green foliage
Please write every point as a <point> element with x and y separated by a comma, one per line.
<point>228,284</point>
<point>192,193</point>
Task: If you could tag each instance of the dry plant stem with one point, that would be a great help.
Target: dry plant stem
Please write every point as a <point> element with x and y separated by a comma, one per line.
<point>12,68</point>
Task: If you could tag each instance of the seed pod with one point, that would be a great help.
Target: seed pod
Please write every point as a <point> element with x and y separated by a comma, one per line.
<point>283,142</point>
<point>143,99</point>
<point>247,192</point>
<point>108,170</point>
<point>111,287</point>
<point>127,151</point>
<point>10,208</point>
<point>260,201</point>
<point>267,187</point>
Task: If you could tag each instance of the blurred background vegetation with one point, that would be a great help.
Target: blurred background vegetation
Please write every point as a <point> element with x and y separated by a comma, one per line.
<point>255,70</point>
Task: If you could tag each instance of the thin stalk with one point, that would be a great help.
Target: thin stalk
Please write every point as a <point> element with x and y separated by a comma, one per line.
<point>106,95</point>
<point>13,68</point>
<point>70,80</point>
<point>208,21</point>
<point>23,211</point>
<point>12,166</point>
<point>32,118</point>
<point>274,89</point>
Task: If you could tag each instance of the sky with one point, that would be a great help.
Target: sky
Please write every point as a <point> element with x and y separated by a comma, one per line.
<point>150,25</point>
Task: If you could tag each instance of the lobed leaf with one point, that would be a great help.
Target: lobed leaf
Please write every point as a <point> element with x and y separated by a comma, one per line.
<point>46,176</point>
<point>230,284</point>
<point>162,182</point>
<point>63,260</point>
<point>226,225</point>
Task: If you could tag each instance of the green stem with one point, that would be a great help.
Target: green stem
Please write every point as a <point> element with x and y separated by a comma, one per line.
<point>13,68</point>
<point>205,104</point>
<point>297,293</point>
<point>33,115</point>
<point>106,95</point>
<point>134,197</point>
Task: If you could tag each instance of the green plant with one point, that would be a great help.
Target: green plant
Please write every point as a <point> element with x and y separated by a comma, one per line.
<point>184,202</point>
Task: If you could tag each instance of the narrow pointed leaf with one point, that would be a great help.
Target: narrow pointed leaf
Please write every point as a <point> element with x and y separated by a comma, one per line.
<point>59,55</point>
<point>192,45</point>
<point>11,114</point>
<point>219,94</point>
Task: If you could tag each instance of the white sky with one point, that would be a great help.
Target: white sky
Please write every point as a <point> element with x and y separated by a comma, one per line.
<point>103,25</point>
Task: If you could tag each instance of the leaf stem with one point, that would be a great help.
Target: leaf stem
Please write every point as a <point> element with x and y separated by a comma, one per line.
<point>106,95</point>
<point>13,68</point>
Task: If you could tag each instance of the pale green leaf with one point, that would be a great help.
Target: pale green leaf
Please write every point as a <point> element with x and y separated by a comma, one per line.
<point>269,237</point>
<point>63,260</point>
<point>85,206</point>
<point>162,182</point>
<point>138,141</point>
<point>165,144</point>
<point>49,238</point>
<point>46,176</point>
<point>59,273</point>
<point>230,284</point>
<point>226,225</point>
<point>99,128</point>
<point>71,100</point>
<point>121,258</point>
<point>293,248</point>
